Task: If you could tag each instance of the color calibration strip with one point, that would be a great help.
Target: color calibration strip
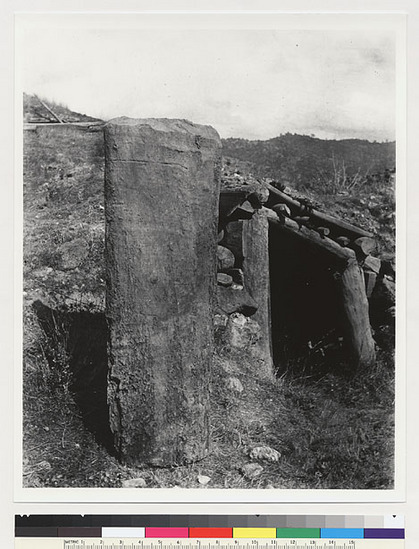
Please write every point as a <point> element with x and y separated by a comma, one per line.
<point>211,526</point>
<point>214,533</point>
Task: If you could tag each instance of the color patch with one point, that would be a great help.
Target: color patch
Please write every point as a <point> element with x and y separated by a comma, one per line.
<point>118,532</point>
<point>166,532</point>
<point>342,533</point>
<point>79,532</point>
<point>335,521</point>
<point>36,532</point>
<point>210,532</point>
<point>384,533</point>
<point>254,533</point>
<point>295,533</point>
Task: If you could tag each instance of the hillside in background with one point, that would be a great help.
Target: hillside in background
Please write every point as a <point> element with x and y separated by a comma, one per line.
<point>43,111</point>
<point>305,162</point>
<point>352,179</point>
<point>299,161</point>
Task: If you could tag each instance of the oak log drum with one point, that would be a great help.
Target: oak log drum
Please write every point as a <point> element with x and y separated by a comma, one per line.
<point>162,184</point>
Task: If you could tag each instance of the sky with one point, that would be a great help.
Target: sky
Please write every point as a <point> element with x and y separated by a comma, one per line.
<point>255,84</point>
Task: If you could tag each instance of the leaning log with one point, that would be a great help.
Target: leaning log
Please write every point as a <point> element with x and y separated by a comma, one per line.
<point>336,226</point>
<point>333,253</point>
<point>57,118</point>
<point>161,202</point>
<point>350,280</point>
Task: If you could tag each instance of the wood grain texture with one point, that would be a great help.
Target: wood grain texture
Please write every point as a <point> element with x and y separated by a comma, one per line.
<point>161,190</point>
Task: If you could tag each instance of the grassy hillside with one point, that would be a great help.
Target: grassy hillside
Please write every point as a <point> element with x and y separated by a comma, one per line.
<point>44,111</point>
<point>331,431</point>
<point>305,162</point>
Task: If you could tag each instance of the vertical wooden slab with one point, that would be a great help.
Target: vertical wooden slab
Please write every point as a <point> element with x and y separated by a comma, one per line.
<point>257,282</point>
<point>355,310</point>
<point>161,190</point>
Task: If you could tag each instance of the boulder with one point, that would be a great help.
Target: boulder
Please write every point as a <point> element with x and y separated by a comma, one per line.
<point>224,280</point>
<point>233,300</point>
<point>234,384</point>
<point>225,259</point>
<point>251,470</point>
<point>265,453</point>
<point>134,483</point>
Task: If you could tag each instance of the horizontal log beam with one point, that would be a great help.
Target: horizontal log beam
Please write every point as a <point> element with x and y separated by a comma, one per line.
<point>336,226</point>
<point>340,256</point>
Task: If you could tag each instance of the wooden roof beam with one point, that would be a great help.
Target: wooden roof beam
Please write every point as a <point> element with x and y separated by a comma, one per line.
<point>336,226</point>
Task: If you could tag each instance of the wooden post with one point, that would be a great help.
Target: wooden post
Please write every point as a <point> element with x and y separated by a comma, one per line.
<point>256,279</point>
<point>161,193</point>
<point>358,337</point>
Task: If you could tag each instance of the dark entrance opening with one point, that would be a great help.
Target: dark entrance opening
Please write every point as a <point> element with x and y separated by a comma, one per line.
<point>81,336</point>
<point>306,321</point>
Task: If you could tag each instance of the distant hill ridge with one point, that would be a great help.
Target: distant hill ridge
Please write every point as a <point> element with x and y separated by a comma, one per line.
<point>301,160</point>
<point>37,110</point>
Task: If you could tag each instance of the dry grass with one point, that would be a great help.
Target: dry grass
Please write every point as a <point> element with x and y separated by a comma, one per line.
<point>331,433</point>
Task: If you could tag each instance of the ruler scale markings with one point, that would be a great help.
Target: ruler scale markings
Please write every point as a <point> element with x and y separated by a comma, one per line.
<point>243,543</point>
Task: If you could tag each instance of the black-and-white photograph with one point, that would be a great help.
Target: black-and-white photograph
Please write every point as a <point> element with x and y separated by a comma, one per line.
<point>209,245</point>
